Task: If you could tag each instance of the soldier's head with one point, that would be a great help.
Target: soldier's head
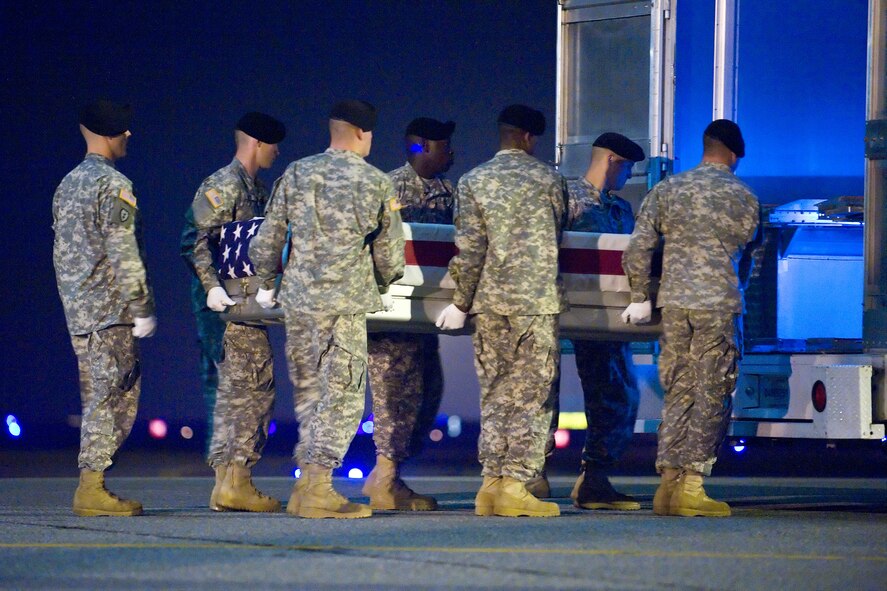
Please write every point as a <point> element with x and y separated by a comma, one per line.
<point>104,126</point>
<point>428,147</point>
<point>351,126</point>
<point>257,137</point>
<point>520,127</point>
<point>612,157</point>
<point>722,143</point>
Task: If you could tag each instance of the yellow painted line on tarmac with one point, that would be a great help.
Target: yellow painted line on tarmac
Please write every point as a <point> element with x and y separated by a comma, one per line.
<point>433,549</point>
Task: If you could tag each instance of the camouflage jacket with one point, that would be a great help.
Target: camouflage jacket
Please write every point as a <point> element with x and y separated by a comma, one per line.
<point>589,210</point>
<point>98,252</point>
<point>510,212</point>
<point>706,217</point>
<point>347,237</point>
<point>425,201</point>
<point>229,194</point>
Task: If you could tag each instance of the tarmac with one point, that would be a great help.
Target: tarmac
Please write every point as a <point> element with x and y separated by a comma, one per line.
<point>807,515</point>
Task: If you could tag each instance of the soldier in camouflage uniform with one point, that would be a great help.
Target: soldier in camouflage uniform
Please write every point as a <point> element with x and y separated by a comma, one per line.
<point>406,377</point>
<point>706,217</point>
<point>347,248</point>
<point>245,394</point>
<point>509,216</point>
<point>98,257</point>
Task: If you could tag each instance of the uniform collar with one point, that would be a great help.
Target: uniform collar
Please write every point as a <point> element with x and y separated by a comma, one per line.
<point>99,158</point>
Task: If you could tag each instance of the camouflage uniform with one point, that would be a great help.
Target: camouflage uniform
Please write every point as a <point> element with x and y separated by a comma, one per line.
<point>98,257</point>
<point>210,328</point>
<point>509,215</point>
<point>707,217</point>
<point>604,367</point>
<point>245,394</point>
<point>405,372</point>
<point>347,237</point>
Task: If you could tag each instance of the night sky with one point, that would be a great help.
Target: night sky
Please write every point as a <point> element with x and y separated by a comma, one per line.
<point>191,69</point>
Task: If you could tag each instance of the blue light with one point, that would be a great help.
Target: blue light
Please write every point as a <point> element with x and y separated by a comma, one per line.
<point>367,427</point>
<point>297,473</point>
<point>739,448</point>
<point>355,473</point>
<point>454,426</point>
<point>12,425</point>
<point>10,419</point>
<point>272,428</point>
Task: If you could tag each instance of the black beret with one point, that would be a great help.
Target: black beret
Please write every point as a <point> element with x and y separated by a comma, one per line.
<point>620,145</point>
<point>106,117</point>
<point>430,129</point>
<point>264,128</point>
<point>358,113</point>
<point>727,132</point>
<point>523,117</point>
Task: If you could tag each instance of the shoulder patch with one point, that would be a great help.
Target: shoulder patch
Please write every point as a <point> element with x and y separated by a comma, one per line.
<point>214,198</point>
<point>127,197</point>
<point>394,204</point>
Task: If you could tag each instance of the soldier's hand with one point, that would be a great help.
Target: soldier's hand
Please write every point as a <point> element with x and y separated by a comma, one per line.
<point>217,298</point>
<point>144,327</point>
<point>638,313</point>
<point>452,318</point>
<point>387,301</point>
<point>265,298</point>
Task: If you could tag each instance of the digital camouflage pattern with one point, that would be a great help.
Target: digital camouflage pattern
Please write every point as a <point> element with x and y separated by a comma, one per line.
<point>210,333</point>
<point>510,212</point>
<point>698,368</point>
<point>406,377</point>
<point>706,217</point>
<point>590,210</point>
<point>516,358</point>
<point>423,201</point>
<point>609,391</point>
<point>406,380</point>
<point>328,361</point>
<point>347,235</point>
<point>244,395</point>
<point>110,382</point>
<point>347,246</point>
<point>509,218</point>
<point>98,251</point>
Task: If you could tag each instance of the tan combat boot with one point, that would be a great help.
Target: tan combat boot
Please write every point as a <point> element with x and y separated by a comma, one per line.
<point>689,499</point>
<point>221,472</point>
<point>538,486</point>
<point>387,491</point>
<point>92,498</point>
<point>513,500</point>
<point>662,498</point>
<point>238,493</point>
<point>485,499</point>
<point>292,506</point>
<point>318,499</point>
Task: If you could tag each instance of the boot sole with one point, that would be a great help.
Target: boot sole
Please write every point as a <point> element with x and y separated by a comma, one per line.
<point>407,507</point>
<point>483,511</point>
<point>100,513</point>
<point>698,513</point>
<point>222,508</point>
<point>616,506</point>
<point>314,513</point>
<point>523,513</point>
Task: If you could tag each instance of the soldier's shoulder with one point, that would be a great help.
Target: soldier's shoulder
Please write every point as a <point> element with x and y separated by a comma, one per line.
<point>401,173</point>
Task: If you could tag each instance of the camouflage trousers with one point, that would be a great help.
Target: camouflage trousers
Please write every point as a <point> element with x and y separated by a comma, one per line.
<point>517,359</point>
<point>327,358</point>
<point>611,400</point>
<point>698,368</point>
<point>110,372</point>
<point>245,397</point>
<point>406,380</point>
<point>210,332</point>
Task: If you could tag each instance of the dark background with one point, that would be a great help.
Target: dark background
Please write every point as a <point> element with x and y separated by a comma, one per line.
<point>192,68</point>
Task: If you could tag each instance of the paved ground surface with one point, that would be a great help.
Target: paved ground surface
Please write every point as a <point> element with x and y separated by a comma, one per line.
<point>786,533</point>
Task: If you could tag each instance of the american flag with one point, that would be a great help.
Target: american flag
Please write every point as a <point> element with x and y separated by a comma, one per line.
<point>234,242</point>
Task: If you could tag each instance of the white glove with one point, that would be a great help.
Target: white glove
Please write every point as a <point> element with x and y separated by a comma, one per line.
<point>638,313</point>
<point>452,318</point>
<point>217,298</point>
<point>387,301</point>
<point>144,327</point>
<point>265,298</point>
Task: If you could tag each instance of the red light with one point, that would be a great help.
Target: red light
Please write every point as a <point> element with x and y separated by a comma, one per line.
<point>819,396</point>
<point>157,428</point>
<point>561,438</point>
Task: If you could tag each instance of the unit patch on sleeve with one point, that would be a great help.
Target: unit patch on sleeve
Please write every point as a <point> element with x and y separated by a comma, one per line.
<point>214,198</point>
